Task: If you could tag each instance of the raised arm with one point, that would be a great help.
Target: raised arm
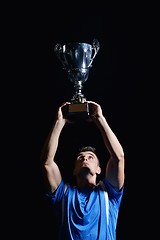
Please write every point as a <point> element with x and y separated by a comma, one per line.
<point>115,165</point>
<point>51,169</point>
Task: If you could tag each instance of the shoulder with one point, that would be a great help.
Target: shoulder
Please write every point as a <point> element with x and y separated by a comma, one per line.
<point>106,186</point>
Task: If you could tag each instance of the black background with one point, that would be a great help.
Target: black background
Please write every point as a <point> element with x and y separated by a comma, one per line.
<point>37,84</point>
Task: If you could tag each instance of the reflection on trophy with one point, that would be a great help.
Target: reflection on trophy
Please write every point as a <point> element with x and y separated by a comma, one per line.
<point>77,59</point>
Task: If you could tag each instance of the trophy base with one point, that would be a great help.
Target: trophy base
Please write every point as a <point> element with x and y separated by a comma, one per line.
<point>76,111</point>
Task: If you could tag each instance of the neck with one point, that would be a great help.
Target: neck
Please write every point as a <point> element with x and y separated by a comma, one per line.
<point>86,182</point>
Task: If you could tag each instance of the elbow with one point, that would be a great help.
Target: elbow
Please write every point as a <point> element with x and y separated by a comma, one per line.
<point>119,157</point>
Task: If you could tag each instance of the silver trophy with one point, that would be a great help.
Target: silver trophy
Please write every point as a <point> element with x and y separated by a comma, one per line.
<point>77,59</point>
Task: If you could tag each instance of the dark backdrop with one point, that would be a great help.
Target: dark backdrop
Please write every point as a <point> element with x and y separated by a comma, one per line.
<point>37,85</point>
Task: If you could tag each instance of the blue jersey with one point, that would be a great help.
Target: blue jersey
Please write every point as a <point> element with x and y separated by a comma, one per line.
<point>86,214</point>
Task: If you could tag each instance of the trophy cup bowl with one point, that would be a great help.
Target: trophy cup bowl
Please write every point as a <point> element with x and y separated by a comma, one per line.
<point>76,59</point>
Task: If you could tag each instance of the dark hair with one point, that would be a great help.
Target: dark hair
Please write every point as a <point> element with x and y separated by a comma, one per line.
<point>87,148</point>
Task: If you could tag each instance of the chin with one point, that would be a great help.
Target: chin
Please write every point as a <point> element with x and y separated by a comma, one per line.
<point>84,171</point>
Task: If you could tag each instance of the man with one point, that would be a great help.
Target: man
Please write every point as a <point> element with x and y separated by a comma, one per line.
<point>88,210</point>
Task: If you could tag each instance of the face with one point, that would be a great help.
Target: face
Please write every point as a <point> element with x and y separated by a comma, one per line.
<point>87,162</point>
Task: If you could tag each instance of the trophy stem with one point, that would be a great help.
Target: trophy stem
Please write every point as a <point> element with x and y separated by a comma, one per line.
<point>79,96</point>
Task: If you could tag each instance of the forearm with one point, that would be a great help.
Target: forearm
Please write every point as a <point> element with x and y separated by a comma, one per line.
<point>111,142</point>
<point>51,143</point>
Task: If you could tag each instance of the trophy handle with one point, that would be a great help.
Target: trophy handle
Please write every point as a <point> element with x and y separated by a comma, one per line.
<point>59,50</point>
<point>95,47</point>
